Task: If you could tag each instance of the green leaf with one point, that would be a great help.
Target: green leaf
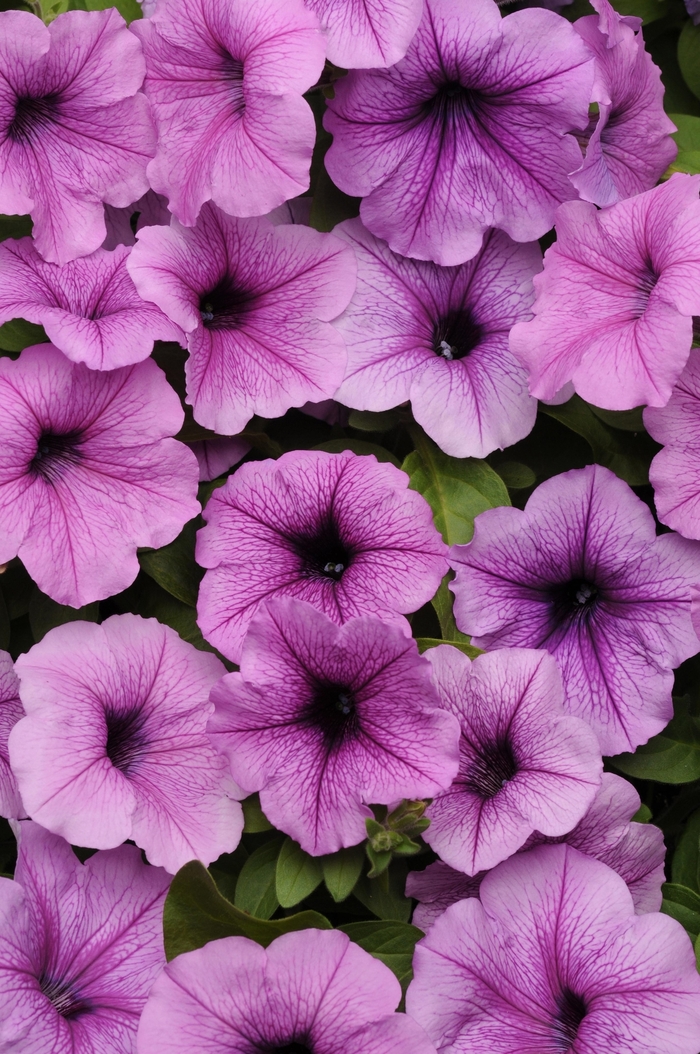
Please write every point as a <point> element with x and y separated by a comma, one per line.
<point>683,905</point>
<point>255,889</point>
<point>425,643</point>
<point>174,567</point>
<point>688,139</point>
<point>515,475</point>
<point>129,9</point>
<point>341,871</point>
<point>330,205</point>
<point>297,874</point>
<point>623,420</point>
<point>626,454</point>
<point>647,10</point>
<point>457,489</point>
<point>689,56</point>
<point>642,815</point>
<point>196,913</point>
<point>393,943</point>
<point>685,866</point>
<point>255,819</point>
<point>384,896</point>
<point>443,602</point>
<point>15,227</point>
<point>368,421</point>
<point>671,757</point>
<point>358,446</point>
<point>17,334</point>
<point>46,614</point>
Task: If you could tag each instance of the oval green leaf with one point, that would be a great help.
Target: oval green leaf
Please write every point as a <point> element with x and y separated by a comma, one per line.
<point>342,870</point>
<point>297,874</point>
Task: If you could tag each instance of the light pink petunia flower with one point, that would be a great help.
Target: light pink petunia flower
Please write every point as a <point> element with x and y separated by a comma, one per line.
<point>325,719</point>
<point>150,210</point>
<point>439,337</point>
<point>225,81</point>
<point>80,947</point>
<point>255,301</point>
<point>552,958</point>
<point>340,531</point>
<point>88,472</point>
<point>74,129</point>
<point>614,304</point>
<point>10,712</point>
<point>367,33</point>
<point>89,307</point>
<point>525,765</point>
<point>216,456</point>
<point>114,744</point>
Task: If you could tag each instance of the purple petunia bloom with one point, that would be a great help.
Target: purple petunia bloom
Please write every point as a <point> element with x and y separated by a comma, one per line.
<point>89,307</point>
<point>87,473</point>
<point>675,471</point>
<point>628,145</point>
<point>10,713</point>
<point>255,301</point>
<point>468,131</point>
<point>312,991</point>
<point>524,766</point>
<point>614,305</point>
<point>439,337</point>
<point>80,947</point>
<point>76,132</point>
<point>364,34</point>
<point>324,720</point>
<point>635,850</point>
<point>216,456</point>
<point>340,531</point>
<point>581,573</point>
<point>553,958</point>
<point>123,224</point>
<point>225,81</point>
<point>114,743</point>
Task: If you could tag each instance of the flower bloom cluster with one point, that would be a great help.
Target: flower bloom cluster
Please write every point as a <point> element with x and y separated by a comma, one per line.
<point>196,631</point>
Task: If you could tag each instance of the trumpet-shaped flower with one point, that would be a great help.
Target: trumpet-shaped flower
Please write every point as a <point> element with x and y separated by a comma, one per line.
<point>468,131</point>
<point>225,81</point>
<point>324,720</point>
<point>340,531</point>
<point>114,743</point>
<point>80,947</point>
<point>74,129</point>
<point>255,301</point>
<point>367,33</point>
<point>581,573</point>
<point>614,304</point>
<point>10,713</point>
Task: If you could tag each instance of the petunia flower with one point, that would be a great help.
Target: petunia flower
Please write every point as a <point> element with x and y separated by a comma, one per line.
<point>365,34</point>
<point>89,307</point>
<point>439,337</point>
<point>10,712</point>
<point>675,471</point>
<point>324,720</point>
<point>114,743</point>
<point>151,210</point>
<point>74,129</point>
<point>581,573</point>
<point>225,81</point>
<point>467,132</point>
<point>255,301</point>
<point>628,144</point>
<point>311,991</point>
<point>340,531</point>
<point>524,765</point>
<point>635,850</point>
<point>551,957</point>
<point>216,456</point>
<point>614,304</point>
<point>87,473</point>
<point>80,947</point>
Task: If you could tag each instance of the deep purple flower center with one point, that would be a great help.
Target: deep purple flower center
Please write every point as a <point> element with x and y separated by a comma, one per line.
<point>30,116</point>
<point>456,334</point>
<point>490,768</point>
<point>323,553</point>
<point>126,741</point>
<point>55,454</point>
<point>290,1048</point>
<point>646,280</point>
<point>226,306</point>
<point>65,1000</point>
<point>232,74</point>
<point>571,1012</point>
<point>333,710</point>
<point>451,100</point>
<point>574,600</point>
